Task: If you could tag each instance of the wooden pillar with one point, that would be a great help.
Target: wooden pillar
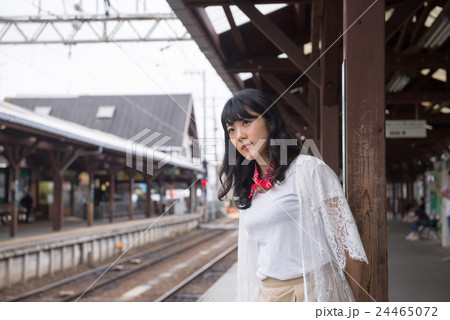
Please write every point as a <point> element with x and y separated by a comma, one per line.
<point>172,207</point>
<point>191,199</point>
<point>112,193</point>
<point>364,53</point>
<point>160,208</point>
<point>90,203</point>
<point>313,90</point>
<point>58,161</point>
<point>113,168</point>
<point>15,154</point>
<point>148,197</point>
<point>394,200</point>
<point>14,186</point>
<point>58,202</point>
<point>90,164</point>
<point>330,66</point>
<point>131,172</point>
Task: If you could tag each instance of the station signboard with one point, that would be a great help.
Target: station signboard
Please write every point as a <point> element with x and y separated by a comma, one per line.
<point>406,129</point>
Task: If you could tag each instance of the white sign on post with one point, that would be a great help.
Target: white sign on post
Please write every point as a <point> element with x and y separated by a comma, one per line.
<point>406,129</point>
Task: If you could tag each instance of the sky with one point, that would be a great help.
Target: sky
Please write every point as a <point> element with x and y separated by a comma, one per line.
<point>112,68</point>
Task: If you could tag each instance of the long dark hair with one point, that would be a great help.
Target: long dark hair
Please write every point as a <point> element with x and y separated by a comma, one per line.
<point>238,176</point>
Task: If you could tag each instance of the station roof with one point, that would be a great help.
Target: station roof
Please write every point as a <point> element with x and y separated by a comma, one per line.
<point>15,117</point>
<point>253,45</point>
<point>123,115</point>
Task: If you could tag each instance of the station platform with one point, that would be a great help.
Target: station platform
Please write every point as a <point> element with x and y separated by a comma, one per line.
<point>38,251</point>
<point>416,271</point>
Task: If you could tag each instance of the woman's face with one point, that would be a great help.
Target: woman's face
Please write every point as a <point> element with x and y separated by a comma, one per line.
<point>250,136</point>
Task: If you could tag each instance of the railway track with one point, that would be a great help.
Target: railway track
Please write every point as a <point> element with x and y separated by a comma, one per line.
<point>62,290</point>
<point>172,294</point>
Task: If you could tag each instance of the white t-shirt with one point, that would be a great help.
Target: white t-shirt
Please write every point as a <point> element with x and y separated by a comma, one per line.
<point>446,190</point>
<point>275,231</point>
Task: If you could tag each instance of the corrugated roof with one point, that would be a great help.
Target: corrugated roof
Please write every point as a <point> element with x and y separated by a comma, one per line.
<point>133,113</point>
<point>13,114</point>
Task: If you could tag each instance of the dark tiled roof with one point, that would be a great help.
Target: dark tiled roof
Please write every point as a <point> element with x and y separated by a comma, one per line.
<point>133,113</point>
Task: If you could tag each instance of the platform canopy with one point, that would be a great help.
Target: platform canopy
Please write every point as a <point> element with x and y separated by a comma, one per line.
<point>274,45</point>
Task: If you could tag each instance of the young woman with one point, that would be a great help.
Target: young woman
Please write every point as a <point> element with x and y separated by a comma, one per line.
<point>298,240</point>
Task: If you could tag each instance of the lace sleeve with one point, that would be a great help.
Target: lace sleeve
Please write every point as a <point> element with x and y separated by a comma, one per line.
<point>340,226</point>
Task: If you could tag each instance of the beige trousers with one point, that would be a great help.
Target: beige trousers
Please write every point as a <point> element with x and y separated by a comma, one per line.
<point>274,290</point>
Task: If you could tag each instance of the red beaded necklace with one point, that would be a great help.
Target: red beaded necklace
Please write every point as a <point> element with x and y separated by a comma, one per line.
<point>265,182</point>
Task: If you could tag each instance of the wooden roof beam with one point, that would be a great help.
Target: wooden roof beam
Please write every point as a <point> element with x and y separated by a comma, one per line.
<point>401,16</point>
<point>291,99</point>
<point>235,32</point>
<point>256,64</point>
<point>417,97</point>
<point>417,61</point>
<point>281,41</point>
<point>206,3</point>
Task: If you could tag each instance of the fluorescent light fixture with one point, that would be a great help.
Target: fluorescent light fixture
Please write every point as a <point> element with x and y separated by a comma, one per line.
<point>245,75</point>
<point>388,14</point>
<point>440,75</point>
<point>425,71</point>
<point>438,32</point>
<point>45,110</point>
<point>434,13</point>
<point>307,48</point>
<point>282,56</point>
<point>398,82</point>
<point>105,112</point>
<point>445,110</point>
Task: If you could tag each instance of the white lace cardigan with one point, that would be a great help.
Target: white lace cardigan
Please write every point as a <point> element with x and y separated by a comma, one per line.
<point>323,211</point>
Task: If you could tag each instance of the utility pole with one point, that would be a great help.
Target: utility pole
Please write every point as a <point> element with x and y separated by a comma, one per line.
<point>204,162</point>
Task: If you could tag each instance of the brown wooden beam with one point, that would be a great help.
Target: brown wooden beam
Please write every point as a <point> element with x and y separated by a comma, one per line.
<point>205,3</point>
<point>259,64</point>
<point>365,138</point>
<point>235,32</point>
<point>417,97</point>
<point>291,99</point>
<point>402,15</point>
<point>281,41</point>
<point>398,61</point>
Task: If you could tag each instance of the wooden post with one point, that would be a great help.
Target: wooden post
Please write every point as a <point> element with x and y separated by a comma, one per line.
<point>15,154</point>
<point>131,173</point>
<point>315,91</point>
<point>148,197</point>
<point>330,66</point>
<point>394,200</point>
<point>58,161</point>
<point>14,171</point>
<point>90,203</point>
<point>160,208</point>
<point>58,202</point>
<point>112,171</point>
<point>364,52</point>
<point>112,193</point>
<point>91,164</point>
